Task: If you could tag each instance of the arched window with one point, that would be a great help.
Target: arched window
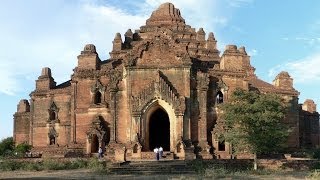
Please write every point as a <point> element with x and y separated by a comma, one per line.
<point>52,140</point>
<point>97,97</point>
<point>179,148</point>
<point>53,112</point>
<point>135,148</point>
<point>221,146</point>
<point>219,97</point>
<point>52,115</point>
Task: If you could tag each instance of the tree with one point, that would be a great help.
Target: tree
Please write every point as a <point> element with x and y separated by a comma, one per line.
<point>253,123</point>
<point>22,148</point>
<point>6,146</point>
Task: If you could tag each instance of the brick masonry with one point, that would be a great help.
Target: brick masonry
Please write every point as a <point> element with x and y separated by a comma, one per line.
<point>165,64</point>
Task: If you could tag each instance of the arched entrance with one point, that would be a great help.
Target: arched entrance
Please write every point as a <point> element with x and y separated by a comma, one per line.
<point>159,130</point>
<point>94,143</point>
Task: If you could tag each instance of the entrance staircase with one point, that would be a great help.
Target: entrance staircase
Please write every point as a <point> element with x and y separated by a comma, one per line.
<point>161,167</point>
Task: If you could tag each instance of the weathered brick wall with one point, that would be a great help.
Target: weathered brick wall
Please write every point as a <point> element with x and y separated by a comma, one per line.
<point>21,127</point>
<point>41,105</point>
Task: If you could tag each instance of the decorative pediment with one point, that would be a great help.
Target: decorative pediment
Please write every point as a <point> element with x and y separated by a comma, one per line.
<point>160,88</point>
<point>52,132</point>
<point>53,114</point>
<point>54,107</point>
<point>222,85</point>
<point>97,87</point>
<point>159,51</point>
<point>202,80</point>
<point>98,127</point>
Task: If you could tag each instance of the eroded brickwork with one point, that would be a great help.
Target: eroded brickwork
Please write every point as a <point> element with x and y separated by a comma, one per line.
<point>166,64</point>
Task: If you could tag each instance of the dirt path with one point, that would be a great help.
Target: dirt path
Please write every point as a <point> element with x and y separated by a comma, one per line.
<point>87,174</point>
<point>79,174</point>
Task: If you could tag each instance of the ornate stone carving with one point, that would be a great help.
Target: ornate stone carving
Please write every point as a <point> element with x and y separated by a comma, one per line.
<point>161,88</point>
<point>98,128</point>
<point>115,76</point>
<point>98,87</point>
<point>52,135</point>
<point>222,85</point>
<point>202,80</point>
<point>53,113</point>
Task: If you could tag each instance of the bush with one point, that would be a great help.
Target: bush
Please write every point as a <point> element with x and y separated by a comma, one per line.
<point>32,166</point>
<point>216,172</point>
<point>21,149</point>
<point>316,153</point>
<point>199,166</point>
<point>52,164</point>
<point>77,164</point>
<point>6,147</point>
<point>9,165</point>
<point>96,165</point>
<point>314,174</point>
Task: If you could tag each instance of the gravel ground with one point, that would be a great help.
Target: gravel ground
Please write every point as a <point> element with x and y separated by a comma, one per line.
<point>87,174</point>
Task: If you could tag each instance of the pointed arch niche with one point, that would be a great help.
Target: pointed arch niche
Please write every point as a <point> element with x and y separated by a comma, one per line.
<point>53,113</point>
<point>98,134</point>
<point>98,93</point>
<point>159,126</point>
<point>52,137</point>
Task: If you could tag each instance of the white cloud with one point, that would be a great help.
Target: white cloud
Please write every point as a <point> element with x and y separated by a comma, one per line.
<point>239,3</point>
<point>59,47</point>
<point>55,35</point>
<point>305,70</point>
<point>253,52</point>
<point>310,41</point>
<point>9,85</point>
<point>204,13</point>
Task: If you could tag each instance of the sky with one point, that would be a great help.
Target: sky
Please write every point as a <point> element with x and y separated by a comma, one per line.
<point>278,35</point>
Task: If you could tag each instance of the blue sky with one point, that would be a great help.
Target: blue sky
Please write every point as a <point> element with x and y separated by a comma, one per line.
<point>279,35</point>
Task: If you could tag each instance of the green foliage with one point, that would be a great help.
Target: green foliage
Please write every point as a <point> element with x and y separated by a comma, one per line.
<point>198,165</point>
<point>314,174</point>
<point>316,153</point>
<point>97,166</point>
<point>32,166</point>
<point>21,149</point>
<point>77,164</point>
<point>253,122</point>
<point>50,164</point>
<point>8,165</point>
<point>6,147</point>
<point>53,164</point>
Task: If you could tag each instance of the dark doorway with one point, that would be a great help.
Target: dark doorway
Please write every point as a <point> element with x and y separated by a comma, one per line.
<point>219,97</point>
<point>97,98</point>
<point>94,144</point>
<point>221,146</point>
<point>159,130</point>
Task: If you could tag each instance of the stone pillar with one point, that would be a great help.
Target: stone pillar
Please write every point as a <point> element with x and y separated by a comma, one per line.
<point>88,145</point>
<point>113,129</point>
<point>135,127</point>
<point>179,127</point>
<point>73,115</point>
<point>202,88</point>
<point>31,122</point>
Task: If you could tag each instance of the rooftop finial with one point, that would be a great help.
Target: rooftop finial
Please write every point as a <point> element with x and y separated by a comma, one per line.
<point>46,72</point>
<point>166,14</point>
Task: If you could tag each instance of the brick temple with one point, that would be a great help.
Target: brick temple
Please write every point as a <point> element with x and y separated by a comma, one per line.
<point>161,86</point>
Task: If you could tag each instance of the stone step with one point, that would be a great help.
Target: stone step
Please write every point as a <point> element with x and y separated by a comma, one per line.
<point>153,167</point>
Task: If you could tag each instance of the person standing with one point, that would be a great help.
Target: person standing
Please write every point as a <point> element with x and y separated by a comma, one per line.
<point>156,150</point>
<point>160,152</point>
<point>100,152</point>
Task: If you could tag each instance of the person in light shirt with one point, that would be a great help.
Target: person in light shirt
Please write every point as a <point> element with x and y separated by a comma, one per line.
<point>160,151</point>
<point>156,150</point>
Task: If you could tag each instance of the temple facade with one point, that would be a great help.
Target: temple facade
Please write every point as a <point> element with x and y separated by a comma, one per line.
<point>161,86</point>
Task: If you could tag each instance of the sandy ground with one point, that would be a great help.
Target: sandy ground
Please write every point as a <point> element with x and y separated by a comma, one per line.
<point>87,174</point>
<point>80,174</point>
